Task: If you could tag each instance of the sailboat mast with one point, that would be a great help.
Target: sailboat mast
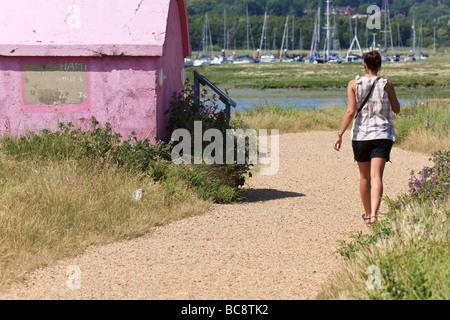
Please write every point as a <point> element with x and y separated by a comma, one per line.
<point>248,30</point>
<point>293,34</point>
<point>313,41</point>
<point>390,29</point>
<point>385,23</point>
<point>350,27</point>
<point>387,26</point>
<point>285,36</point>
<point>263,34</point>
<point>421,38</point>
<point>434,40</point>
<point>224,28</point>
<point>327,57</point>
<point>274,44</point>
<point>210,36</point>
<point>399,37</point>
<point>287,32</point>
<point>205,35</point>
<point>335,37</point>
<point>367,38</point>
<point>414,34</point>
<point>317,47</point>
<point>265,38</point>
<point>301,41</point>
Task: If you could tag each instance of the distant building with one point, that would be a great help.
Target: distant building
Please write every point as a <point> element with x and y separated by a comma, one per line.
<point>360,16</point>
<point>342,11</point>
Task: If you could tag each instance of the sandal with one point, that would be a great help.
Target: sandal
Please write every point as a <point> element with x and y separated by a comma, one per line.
<point>376,219</point>
<point>365,219</point>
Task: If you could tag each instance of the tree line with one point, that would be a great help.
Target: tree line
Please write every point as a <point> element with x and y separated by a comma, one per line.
<point>300,32</point>
<point>433,15</point>
<point>427,10</point>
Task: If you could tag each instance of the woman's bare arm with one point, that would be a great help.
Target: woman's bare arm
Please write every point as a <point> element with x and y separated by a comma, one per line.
<point>392,97</point>
<point>349,114</point>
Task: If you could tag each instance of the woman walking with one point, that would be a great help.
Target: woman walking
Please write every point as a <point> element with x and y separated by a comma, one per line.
<point>373,101</point>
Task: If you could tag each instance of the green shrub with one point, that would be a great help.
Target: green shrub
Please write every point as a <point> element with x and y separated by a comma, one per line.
<point>185,110</point>
<point>97,144</point>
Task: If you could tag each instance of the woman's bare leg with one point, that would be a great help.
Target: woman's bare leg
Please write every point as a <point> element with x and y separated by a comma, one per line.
<point>365,187</point>
<point>376,192</point>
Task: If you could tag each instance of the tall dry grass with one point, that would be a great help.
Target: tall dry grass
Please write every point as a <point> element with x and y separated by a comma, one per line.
<point>425,141</point>
<point>424,126</point>
<point>290,119</point>
<point>54,209</point>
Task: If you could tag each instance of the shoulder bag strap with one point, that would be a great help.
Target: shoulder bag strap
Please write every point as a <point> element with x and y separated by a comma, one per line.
<point>368,96</point>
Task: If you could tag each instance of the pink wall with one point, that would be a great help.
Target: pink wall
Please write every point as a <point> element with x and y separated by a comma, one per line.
<point>123,43</point>
<point>122,92</point>
<point>172,63</point>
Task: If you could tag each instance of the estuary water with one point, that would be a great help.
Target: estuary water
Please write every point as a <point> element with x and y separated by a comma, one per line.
<point>292,98</point>
<point>245,104</point>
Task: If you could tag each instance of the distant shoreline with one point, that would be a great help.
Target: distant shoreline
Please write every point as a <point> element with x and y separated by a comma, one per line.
<point>335,93</point>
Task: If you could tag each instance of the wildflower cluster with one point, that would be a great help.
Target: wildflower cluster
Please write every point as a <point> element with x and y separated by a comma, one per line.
<point>184,109</point>
<point>432,185</point>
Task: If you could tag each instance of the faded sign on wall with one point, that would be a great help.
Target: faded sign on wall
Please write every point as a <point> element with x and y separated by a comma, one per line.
<point>50,84</point>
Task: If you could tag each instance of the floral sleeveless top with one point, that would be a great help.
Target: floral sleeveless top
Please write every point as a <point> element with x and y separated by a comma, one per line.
<point>376,119</point>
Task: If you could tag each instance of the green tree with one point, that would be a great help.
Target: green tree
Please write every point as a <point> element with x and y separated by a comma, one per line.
<point>426,11</point>
<point>274,7</point>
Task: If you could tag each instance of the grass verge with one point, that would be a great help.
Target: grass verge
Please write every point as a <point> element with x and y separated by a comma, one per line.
<point>55,209</point>
<point>63,191</point>
<point>290,119</point>
<point>424,126</point>
<point>405,257</point>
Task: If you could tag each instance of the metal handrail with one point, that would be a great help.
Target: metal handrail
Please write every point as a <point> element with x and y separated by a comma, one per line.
<point>200,79</point>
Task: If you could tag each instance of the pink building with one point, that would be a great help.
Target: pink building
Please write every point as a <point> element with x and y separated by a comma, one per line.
<point>71,60</point>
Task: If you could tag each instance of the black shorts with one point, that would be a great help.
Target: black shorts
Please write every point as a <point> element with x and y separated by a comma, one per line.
<point>363,151</point>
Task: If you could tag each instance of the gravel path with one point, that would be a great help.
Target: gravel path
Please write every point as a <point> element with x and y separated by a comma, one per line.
<point>278,244</point>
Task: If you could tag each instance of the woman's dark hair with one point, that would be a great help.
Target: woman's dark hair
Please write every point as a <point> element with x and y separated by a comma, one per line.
<point>372,60</point>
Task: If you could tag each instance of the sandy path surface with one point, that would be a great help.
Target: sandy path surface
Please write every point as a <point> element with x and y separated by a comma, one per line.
<point>278,244</point>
